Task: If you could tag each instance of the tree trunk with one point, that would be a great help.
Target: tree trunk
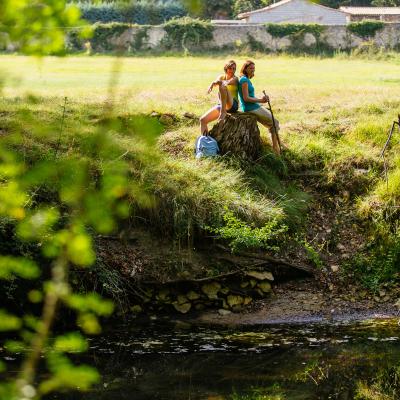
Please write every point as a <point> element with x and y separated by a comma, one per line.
<point>238,135</point>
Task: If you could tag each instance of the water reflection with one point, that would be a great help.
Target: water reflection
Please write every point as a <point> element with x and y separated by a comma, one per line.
<point>163,361</point>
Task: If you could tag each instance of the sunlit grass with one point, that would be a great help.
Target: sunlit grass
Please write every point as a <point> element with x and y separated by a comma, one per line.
<point>335,115</point>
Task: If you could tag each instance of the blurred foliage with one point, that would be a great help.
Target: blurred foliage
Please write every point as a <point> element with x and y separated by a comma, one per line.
<point>38,27</point>
<point>78,195</point>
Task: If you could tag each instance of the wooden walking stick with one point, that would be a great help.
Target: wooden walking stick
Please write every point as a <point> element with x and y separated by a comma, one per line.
<point>273,122</point>
<point>382,155</point>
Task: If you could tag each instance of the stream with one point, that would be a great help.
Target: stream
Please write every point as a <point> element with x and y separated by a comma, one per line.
<point>167,359</point>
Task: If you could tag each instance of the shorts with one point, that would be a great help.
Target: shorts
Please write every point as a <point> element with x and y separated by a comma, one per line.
<point>233,109</point>
<point>265,118</point>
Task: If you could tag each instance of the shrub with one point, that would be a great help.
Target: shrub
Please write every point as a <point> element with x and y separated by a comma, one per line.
<point>241,6</point>
<point>102,33</point>
<point>365,29</point>
<point>380,264</point>
<point>243,236</point>
<point>136,12</point>
<point>254,44</point>
<point>187,32</point>
<point>296,32</point>
<point>282,30</point>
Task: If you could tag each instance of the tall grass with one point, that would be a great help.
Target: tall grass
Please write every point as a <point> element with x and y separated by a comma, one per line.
<point>334,113</point>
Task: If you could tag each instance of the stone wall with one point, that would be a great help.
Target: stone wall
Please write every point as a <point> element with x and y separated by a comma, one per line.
<point>334,37</point>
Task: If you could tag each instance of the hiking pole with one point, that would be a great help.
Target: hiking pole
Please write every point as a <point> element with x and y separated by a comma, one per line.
<point>273,122</point>
<point>382,155</point>
<point>390,135</point>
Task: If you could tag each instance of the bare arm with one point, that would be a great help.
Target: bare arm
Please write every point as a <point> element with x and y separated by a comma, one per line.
<point>248,99</point>
<point>231,81</point>
<point>214,83</point>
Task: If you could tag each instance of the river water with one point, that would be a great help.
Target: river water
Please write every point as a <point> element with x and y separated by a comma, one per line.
<point>175,360</point>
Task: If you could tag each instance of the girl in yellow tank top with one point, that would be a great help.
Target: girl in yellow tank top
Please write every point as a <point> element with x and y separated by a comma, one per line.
<point>228,97</point>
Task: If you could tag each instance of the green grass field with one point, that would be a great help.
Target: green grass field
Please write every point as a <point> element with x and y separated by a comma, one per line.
<point>335,115</point>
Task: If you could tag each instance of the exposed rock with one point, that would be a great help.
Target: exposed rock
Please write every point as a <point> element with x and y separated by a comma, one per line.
<point>182,308</point>
<point>166,119</point>
<point>309,39</point>
<point>211,289</point>
<point>181,299</point>
<point>190,115</point>
<point>265,286</point>
<point>136,309</point>
<point>192,295</point>
<point>335,268</point>
<point>234,300</point>
<point>260,275</point>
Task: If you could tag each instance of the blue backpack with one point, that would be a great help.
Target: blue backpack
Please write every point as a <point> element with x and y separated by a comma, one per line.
<point>206,146</point>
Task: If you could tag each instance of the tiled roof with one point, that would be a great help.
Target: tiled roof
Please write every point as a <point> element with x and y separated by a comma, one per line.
<point>371,10</point>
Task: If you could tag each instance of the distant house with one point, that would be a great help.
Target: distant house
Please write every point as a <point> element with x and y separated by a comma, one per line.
<point>385,14</point>
<point>296,11</point>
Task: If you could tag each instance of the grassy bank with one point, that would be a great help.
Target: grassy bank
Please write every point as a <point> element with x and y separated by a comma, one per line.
<point>335,115</point>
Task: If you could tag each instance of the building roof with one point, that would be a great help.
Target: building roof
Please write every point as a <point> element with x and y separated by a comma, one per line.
<point>371,10</point>
<point>227,22</point>
<point>281,3</point>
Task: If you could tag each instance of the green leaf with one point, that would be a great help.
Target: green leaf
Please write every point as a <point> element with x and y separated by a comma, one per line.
<point>80,250</point>
<point>9,322</point>
<point>91,302</point>
<point>12,200</point>
<point>35,296</point>
<point>89,324</point>
<point>71,342</point>
<point>38,224</point>
<point>19,266</point>
<point>70,377</point>
<point>14,346</point>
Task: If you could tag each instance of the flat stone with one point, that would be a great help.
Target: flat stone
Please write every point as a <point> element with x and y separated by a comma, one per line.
<point>234,300</point>
<point>335,268</point>
<point>182,308</point>
<point>265,286</point>
<point>211,289</point>
<point>260,275</point>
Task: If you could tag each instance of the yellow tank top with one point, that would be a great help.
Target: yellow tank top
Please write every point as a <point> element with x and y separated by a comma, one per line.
<point>233,87</point>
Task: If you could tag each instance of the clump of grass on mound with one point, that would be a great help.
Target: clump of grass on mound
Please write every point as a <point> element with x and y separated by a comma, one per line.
<point>264,179</point>
<point>197,192</point>
<point>188,195</point>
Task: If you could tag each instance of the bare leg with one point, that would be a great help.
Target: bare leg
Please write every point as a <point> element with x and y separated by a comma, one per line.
<point>211,115</point>
<point>222,96</point>
<point>265,118</point>
<point>226,101</point>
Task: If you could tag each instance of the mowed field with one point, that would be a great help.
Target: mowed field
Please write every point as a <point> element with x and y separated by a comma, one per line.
<point>297,86</point>
<point>337,108</point>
